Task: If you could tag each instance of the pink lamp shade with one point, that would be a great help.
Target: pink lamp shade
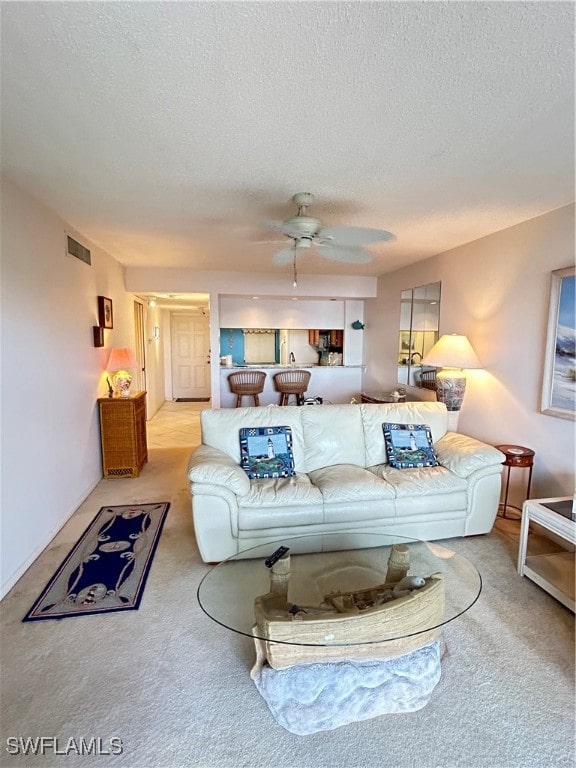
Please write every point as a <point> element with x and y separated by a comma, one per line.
<point>120,360</point>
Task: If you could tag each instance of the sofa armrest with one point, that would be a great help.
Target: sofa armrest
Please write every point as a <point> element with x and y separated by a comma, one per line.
<point>212,466</point>
<point>464,455</point>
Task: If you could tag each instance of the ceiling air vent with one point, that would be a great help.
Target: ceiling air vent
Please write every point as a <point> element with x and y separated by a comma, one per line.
<point>78,250</point>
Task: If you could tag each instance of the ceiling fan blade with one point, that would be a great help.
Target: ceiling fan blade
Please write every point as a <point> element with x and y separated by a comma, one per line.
<point>349,255</point>
<point>285,256</point>
<point>355,235</point>
<point>278,226</point>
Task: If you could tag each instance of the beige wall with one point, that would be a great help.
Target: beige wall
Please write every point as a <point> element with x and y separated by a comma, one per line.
<point>51,374</point>
<point>496,291</point>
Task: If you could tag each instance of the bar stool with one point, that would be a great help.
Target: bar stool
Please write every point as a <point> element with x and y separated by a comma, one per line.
<point>292,382</point>
<point>249,383</point>
<point>516,456</point>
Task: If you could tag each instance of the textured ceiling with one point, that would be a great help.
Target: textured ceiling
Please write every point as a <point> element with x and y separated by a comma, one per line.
<point>167,132</point>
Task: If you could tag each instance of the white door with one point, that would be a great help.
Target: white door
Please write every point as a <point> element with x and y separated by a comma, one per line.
<point>190,356</point>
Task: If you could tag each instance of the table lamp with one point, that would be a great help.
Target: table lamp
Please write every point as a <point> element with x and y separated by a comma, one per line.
<point>452,353</point>
<point>121,360</point>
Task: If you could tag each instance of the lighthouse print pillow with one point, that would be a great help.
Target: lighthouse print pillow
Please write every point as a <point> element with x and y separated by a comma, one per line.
<point>266,452</point>
<point>409,445</point>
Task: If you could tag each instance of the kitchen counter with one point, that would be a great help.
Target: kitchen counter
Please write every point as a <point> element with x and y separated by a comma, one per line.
<point>280,366</point>
<point>268,365</point>
<point>333,383</point>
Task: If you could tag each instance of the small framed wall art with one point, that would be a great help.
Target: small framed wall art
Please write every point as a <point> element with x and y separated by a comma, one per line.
<point>98,336</point>
<point>105,317</point>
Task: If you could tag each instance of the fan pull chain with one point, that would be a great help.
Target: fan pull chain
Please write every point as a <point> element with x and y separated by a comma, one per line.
<point>295,280</point>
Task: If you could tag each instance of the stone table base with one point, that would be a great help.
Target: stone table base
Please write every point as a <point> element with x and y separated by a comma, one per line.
<point>308,698</point>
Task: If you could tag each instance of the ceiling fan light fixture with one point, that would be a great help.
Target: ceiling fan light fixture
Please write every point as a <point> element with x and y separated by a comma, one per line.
<point>339,243</point>
<point>302,226</point>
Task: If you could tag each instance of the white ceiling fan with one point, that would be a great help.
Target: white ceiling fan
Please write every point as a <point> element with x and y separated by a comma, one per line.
<point>341,243</point>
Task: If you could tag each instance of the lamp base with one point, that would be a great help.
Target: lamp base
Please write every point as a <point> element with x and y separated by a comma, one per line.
<point>450,388</point>
<point>122,382</point>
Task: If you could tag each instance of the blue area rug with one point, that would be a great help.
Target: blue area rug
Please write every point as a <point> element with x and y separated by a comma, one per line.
<point>108,567</point>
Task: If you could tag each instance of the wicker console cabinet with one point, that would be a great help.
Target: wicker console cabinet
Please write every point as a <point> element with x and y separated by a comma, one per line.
<point>123,435</point>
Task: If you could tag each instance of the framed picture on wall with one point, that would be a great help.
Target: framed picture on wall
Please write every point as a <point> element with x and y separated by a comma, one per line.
<point>98,335</point>
<point>559,382</point>
<point>105,317</point>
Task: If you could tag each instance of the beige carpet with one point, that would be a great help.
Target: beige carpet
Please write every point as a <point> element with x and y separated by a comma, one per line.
<point>175,687</point>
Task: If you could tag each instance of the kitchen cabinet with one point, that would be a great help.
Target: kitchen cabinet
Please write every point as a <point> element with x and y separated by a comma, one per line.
<point>326,338</point>
<point>314,337</point>
<point>336,338</point>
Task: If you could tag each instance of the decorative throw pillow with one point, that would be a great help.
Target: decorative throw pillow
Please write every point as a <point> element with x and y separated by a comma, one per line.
<point>409,445</point>
<point>266,452</point>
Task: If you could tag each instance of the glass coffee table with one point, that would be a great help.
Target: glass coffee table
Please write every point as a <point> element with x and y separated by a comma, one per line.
<point>336,595</point>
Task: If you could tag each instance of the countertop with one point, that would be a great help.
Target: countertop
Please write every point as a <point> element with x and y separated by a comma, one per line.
<point>266,366</point>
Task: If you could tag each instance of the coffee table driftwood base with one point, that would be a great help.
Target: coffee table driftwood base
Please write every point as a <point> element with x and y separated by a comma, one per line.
<point>380,621</point>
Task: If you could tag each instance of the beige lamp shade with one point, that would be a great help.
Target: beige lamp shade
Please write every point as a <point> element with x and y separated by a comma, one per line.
<point>452,351</point>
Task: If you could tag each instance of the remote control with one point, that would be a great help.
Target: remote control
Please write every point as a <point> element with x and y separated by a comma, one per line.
<point>275,556</point>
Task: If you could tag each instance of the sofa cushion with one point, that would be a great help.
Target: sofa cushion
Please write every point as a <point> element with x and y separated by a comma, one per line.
<point>333,434</point>
<point>266,451</point>
<point>433,414</point>
<point>221,428</point>
<point>280,502</point>
<point>409,445</point>
<point>297,490</point>
<point>343,483</point>
<point>420,481</point>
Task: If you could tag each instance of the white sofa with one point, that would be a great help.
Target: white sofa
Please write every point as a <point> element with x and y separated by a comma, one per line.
<point>343,480</point>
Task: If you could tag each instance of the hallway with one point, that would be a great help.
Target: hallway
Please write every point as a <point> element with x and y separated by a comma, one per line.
<point>175,425</point>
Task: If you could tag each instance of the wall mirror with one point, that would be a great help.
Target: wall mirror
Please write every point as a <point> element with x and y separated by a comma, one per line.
<point>419,324</point>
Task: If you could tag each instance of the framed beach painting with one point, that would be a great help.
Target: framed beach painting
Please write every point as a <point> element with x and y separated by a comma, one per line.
<point>559,384</point>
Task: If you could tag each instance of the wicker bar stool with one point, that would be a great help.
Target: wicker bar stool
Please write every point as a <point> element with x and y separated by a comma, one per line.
<point>249,383</point>
<point>428,379</point>
<point>292,382</point>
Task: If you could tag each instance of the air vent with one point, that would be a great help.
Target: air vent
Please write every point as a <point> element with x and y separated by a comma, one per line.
<point>78,250</point>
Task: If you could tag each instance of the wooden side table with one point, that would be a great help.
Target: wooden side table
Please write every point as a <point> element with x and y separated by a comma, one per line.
<point>382,397</point>
<point>123,435</point>
<point>516,456</point>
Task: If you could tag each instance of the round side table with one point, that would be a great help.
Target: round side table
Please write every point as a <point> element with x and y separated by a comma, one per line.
<point>516,456</point>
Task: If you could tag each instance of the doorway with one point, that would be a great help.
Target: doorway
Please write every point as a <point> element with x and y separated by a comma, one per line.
<point>190,356</point>
<point>139,342</point>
